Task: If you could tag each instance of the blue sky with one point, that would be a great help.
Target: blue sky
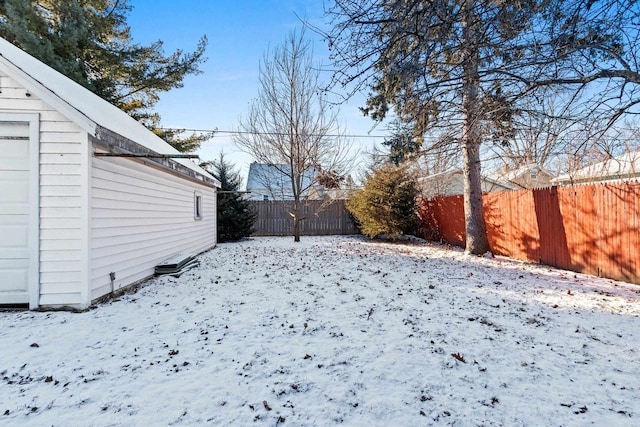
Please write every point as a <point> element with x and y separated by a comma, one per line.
<point>239,33</point>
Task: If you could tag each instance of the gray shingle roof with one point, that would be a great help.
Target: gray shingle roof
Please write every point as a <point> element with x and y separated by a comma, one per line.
<point>270,176</point>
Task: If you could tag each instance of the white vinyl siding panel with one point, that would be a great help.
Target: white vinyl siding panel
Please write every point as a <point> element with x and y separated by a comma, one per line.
<point>62,171</point>
<point>62,213</point>
<point>140,216</point>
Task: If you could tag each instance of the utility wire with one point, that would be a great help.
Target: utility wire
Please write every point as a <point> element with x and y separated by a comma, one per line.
<point>425,137</point>
<point>214,131</point>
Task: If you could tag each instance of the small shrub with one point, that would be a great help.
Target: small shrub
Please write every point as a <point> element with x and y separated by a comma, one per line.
<point>386,205</point>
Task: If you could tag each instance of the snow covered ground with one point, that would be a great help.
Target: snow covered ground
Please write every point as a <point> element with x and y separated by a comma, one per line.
<point>334,330</point>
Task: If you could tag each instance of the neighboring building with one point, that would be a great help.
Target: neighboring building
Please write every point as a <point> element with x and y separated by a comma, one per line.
<point>334,194</point>
<point>451,183</point>
<point>527,176</point>
<point>619,168</point>
<point>268,182</point>
<point>77,225</point>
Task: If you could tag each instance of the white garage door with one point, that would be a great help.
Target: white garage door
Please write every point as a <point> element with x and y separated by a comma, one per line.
<point>14,212</point>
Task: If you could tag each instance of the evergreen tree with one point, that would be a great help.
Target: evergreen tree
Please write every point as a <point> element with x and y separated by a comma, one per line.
<point>90,42</point>
<point>462,67</point>
<point>235,216</point>
<point>387,203</point>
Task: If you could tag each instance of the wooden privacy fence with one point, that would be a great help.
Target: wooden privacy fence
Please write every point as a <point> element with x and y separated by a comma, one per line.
<point>319,218</point>
<point>592,229</point>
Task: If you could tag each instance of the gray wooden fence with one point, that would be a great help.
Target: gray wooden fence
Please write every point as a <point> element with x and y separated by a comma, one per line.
<point>319,218</point>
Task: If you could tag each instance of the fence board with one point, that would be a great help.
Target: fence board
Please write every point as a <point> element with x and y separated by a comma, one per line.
<point>592,229</point>
<point>319,218</point>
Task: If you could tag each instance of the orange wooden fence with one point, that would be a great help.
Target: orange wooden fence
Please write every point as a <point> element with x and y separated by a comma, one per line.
<point>593,229</point>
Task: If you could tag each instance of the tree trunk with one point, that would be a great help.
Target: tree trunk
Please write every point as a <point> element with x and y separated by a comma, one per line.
<point>476,231</point>
<point>475,228</point>
<point>296,220</point>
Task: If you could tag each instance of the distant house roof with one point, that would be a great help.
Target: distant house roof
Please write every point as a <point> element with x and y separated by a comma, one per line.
<point>85,108</point>
<point>452,172</point>
<point>450,183</point>
<point>514,176</point>
<point>617,168</point>
<point>270,178</point>
<point>262,175</point>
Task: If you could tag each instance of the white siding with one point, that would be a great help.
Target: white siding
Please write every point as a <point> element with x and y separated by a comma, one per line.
<point>63,217</point>
<point>140,216</point>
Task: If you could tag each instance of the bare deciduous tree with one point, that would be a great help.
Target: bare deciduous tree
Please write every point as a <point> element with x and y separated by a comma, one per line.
<point>291,126</point>
<point>595,55</point>
<point>543,129</point>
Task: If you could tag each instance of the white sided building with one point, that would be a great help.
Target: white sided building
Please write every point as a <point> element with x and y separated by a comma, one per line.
<point>78,219</point>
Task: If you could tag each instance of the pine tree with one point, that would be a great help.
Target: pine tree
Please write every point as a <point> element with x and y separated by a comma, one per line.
<point>386,205</point>
<point>235,216</point>
<point>90,42</point>
<point>460,68</point>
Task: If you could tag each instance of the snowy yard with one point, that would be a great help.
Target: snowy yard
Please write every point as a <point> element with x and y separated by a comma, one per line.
<point>334,330</point>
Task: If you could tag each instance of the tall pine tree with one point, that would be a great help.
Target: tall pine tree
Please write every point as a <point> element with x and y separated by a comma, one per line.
<point>90,42</point>
<point>460,68</point>
<point>235,216</point>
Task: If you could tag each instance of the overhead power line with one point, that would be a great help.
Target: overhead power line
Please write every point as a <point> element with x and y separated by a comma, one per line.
<point>230,132</point>
<point>425,137</point>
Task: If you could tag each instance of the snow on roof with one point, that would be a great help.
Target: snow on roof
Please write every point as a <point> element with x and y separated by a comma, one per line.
<point>514,174</point>
<point>56,87</point>
<point>625,166</point>
<point>446,174</point>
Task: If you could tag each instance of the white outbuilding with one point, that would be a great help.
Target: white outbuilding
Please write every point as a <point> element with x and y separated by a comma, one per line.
<point>90,200</point>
